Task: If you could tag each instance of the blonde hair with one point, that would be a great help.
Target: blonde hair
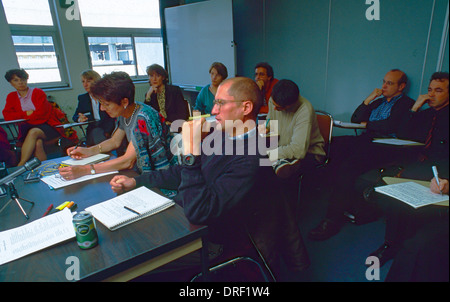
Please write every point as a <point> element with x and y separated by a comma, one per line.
<point>90,75</point>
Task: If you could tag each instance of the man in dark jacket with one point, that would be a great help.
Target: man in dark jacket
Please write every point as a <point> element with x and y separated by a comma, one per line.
<point>222,182</point>
<point>431,127</point>
<point>382,113</point>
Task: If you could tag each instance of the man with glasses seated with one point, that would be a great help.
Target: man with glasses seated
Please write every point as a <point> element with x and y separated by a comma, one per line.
<point>382,112</point>
<point>222,183</point>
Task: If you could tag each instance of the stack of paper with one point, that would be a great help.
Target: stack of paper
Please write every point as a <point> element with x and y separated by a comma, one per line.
<point>36,235</point>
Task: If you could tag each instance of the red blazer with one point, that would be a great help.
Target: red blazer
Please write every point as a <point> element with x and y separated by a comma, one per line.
<point>44,113</point>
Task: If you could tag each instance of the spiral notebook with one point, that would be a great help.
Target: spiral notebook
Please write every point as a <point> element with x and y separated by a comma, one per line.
<point>129,207</point>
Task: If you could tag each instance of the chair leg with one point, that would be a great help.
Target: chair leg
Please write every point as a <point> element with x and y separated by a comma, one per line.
<point>233,261</point>
<point>297,208</point>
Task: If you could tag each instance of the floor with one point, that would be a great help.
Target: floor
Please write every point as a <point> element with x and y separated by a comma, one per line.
<point>342,257</point>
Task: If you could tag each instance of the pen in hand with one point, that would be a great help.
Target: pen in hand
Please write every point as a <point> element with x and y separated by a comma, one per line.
<point>435,173</point>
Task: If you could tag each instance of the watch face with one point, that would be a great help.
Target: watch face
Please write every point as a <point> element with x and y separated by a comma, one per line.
<point>189,159</point>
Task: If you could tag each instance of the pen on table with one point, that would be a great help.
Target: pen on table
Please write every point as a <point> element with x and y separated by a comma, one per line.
<point>48,210</point>
<point>435,173</point>
<point>60,207</point>
<point>131,210</point>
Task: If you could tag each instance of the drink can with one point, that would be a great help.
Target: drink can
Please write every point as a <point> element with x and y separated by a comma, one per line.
<point>84,224</point>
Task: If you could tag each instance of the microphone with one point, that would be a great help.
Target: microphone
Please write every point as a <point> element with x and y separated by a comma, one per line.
<point>29,165</point>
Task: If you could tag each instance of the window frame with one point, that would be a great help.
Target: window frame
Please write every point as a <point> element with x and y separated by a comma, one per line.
<point>132,33</point>
<point>54,32</point>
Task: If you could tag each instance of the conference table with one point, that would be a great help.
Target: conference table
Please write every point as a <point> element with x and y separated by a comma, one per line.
<point>121,255</point>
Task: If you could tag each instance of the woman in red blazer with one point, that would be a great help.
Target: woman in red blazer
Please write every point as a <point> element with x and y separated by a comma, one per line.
<point>30,104</point>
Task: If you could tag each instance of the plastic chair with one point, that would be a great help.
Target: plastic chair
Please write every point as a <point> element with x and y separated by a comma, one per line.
<point>325,122</point>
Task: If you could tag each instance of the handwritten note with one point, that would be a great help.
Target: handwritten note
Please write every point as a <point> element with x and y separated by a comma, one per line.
<point>55,181</point>
<point>412,194</point>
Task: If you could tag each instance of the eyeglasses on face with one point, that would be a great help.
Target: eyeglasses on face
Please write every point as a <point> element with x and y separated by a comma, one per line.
<point>220,103</point>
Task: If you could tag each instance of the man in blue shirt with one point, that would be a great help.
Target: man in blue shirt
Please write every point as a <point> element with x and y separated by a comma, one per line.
<point>382,112</point>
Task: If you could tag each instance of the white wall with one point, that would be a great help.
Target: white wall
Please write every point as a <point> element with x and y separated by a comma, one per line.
<point>8,59</point>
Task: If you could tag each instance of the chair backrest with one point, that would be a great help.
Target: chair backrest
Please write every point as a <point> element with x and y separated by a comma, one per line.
<point>189,107</point>
<point>325,121</point>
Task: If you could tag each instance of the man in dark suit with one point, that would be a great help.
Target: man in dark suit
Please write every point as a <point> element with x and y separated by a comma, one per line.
<point>89,110</point>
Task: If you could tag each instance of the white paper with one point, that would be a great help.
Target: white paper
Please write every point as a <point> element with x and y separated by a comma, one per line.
<point>55,181</point>
<point>395,141</point>
<point>86,161</point>
<point>412,194</point>
<point>36,235</point>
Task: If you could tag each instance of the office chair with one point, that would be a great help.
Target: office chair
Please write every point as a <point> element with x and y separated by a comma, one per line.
<point>233,264</point>
<point>325,121</point>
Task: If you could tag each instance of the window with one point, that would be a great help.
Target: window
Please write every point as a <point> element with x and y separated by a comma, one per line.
<point>35,40</point>
<point>122,35</point>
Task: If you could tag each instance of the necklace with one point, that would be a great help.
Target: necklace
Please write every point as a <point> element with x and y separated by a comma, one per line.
<point>131,117</point>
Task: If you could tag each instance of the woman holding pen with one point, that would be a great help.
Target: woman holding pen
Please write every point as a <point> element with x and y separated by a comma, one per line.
<point>144,128</point>
<point>204,101</point>
<point>89,110</point>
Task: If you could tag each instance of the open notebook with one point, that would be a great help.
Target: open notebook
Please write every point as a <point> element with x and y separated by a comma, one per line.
<point>86,161</point>
<point>129,207</point>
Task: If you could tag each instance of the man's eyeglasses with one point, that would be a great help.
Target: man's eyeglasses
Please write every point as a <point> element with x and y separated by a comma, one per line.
<point>220,103</point>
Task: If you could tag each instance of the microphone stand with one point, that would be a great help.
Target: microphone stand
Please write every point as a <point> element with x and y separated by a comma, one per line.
<point>15,196</point>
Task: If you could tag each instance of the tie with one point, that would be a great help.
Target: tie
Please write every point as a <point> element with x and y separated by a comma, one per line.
<point>430,133</point>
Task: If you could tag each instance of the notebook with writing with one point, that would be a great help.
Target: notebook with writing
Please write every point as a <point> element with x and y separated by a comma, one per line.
<point>129,207</point>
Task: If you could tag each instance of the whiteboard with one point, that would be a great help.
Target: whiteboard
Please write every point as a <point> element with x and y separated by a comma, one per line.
<point>199,34</point>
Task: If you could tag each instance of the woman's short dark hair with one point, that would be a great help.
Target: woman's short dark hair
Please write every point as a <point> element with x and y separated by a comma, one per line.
<point>285,93</point>
<point>114,87</point>
<point>221,69</point>
<point>159,70</point>
<point>20,73</point>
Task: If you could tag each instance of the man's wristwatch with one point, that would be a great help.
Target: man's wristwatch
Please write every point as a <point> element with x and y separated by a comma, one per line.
<point>189,159</point>
<point>92,169</point>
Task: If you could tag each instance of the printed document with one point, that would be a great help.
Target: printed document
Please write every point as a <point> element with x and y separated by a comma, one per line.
<point>36,235</point>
